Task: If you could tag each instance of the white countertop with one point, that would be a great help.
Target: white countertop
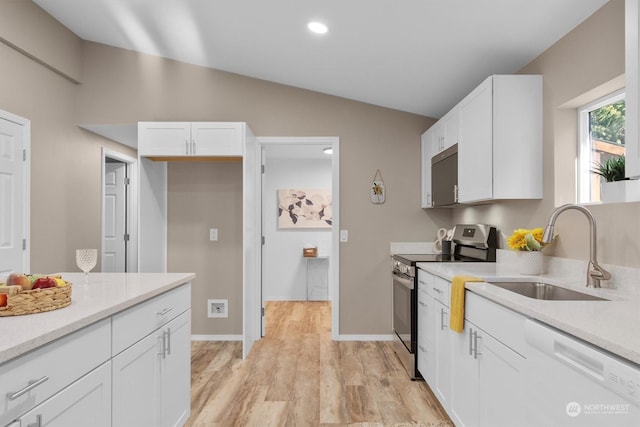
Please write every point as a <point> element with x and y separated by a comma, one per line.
<point>105,295</point>
<point>612,325</point>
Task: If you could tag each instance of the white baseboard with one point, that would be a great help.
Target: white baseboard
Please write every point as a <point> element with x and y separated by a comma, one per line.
<point>347,337</point>
<point>216,337</point>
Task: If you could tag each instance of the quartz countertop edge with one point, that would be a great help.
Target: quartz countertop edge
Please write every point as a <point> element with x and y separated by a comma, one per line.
<point>105,295</point>
<point>611,325</point>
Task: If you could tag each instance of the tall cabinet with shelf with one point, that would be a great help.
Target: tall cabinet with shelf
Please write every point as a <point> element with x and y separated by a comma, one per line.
<point>161,142</point>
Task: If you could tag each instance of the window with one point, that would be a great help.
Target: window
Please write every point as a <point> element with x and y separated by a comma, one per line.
<point>602,141</point>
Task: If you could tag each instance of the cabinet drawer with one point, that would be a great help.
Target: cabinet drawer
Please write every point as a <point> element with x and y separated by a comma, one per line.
<point>425,281</point>
<point>54,366</point>
<point>503,324</point>
<point>140,320</point>
<point>440,290</point>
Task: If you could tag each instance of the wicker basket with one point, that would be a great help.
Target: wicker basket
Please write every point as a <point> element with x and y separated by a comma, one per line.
<point>36,301</point>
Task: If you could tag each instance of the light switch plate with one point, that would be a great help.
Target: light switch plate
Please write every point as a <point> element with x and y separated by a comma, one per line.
<point>344,235</point>
<point>213,234</point>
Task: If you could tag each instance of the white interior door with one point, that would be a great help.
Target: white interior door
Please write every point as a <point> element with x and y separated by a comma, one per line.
<point>114,244</point>
<point>13,196</point>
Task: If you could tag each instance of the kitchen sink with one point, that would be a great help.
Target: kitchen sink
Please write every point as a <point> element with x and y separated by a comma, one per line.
<point>546,291</point>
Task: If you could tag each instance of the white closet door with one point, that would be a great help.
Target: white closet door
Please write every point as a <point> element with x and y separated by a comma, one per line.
<point>115,210</point>
<point>12,191</point>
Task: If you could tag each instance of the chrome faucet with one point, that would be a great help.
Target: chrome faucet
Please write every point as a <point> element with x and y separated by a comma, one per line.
<point>595,273</point>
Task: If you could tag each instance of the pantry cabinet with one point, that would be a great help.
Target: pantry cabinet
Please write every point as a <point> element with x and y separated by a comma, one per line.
<point>190,139</point>
<point>500,140</point>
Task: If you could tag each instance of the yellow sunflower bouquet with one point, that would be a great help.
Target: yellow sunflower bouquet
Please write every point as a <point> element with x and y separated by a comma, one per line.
<point>526,240</point>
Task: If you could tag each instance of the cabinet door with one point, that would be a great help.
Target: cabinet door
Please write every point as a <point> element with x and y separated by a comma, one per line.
<point>216,139</point>
<point>86,402</point>
<point>450,128</point>
<point>464,378</point>
<point>427,154</point>
<point>426,354</point>
<point>475,146</point>
<point>443,355</point>
<point>136,382</point>
<point>175,371</point>
<point>501,384</point>
<point>164,138</point>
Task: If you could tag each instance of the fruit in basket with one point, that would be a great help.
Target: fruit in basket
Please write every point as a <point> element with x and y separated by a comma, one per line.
<point>20,280</point>
<point>44,282</point>
<point>60,282</point>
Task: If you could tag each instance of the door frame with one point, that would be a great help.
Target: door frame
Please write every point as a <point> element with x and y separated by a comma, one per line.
<point>26,190</point>
<point>334,265</point>
<point>132,206</point>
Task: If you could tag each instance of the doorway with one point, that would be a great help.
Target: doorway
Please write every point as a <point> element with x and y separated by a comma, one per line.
<point>290,162</point>
<point>14,193</point>
<point>119,213</point>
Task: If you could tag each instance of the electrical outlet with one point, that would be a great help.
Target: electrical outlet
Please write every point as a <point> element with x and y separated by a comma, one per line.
<point>213,234</point>
<point>217,308</point>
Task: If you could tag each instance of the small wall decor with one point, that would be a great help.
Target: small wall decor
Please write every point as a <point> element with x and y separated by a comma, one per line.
<point>304,208</point>
<point>377,189</point>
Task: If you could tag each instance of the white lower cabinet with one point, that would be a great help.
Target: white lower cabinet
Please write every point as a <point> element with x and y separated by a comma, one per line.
<point>84,402</point>
<point>426,333</point>
<point>464,379</point>
<point>151,379</point>
<point>501,383</point>
<point>442,385</point>
<point>477,375</point>
<point>487,376</point>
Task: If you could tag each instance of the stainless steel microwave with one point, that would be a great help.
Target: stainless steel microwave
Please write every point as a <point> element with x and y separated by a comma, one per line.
<point>444,177</point>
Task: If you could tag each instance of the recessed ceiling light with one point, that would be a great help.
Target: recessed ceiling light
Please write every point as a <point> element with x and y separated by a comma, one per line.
<point>317,27</point>
<point>328,150</point>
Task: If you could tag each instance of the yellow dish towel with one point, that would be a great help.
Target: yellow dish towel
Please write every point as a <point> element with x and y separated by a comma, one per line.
<point>456,320</point>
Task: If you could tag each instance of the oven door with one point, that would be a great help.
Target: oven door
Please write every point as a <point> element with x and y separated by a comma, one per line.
<point>404,316</point>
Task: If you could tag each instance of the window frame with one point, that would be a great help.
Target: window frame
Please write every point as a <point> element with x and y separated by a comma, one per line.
<point>584,161</point>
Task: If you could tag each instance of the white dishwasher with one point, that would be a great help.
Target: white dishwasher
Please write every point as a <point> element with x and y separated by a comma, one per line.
<point>573,383</point>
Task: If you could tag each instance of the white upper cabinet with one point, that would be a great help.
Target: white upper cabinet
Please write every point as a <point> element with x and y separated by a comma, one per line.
<point>442,135</point>
<point>446,131</point>
<point>427,142</point>
<point>189,139</point>
<point>500,140</point>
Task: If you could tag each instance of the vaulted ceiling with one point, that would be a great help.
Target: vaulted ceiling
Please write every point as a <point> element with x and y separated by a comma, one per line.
<point>419,56</point>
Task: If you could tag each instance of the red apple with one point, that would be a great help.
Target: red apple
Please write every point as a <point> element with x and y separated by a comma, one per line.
<point>44,282</point>
<point>19,280</point>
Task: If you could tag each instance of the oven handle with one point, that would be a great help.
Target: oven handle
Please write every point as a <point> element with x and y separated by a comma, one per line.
<point>404,281</point>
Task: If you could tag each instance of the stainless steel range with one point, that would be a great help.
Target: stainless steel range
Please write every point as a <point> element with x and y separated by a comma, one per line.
<point>473,243</point>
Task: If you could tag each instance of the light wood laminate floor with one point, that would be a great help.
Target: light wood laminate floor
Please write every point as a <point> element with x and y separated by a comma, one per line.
<point>298,376</point>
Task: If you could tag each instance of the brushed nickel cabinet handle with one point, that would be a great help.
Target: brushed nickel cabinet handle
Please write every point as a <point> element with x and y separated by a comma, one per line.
<point>38,422</point>
<point>30,386</point>
<point>164,311</point>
